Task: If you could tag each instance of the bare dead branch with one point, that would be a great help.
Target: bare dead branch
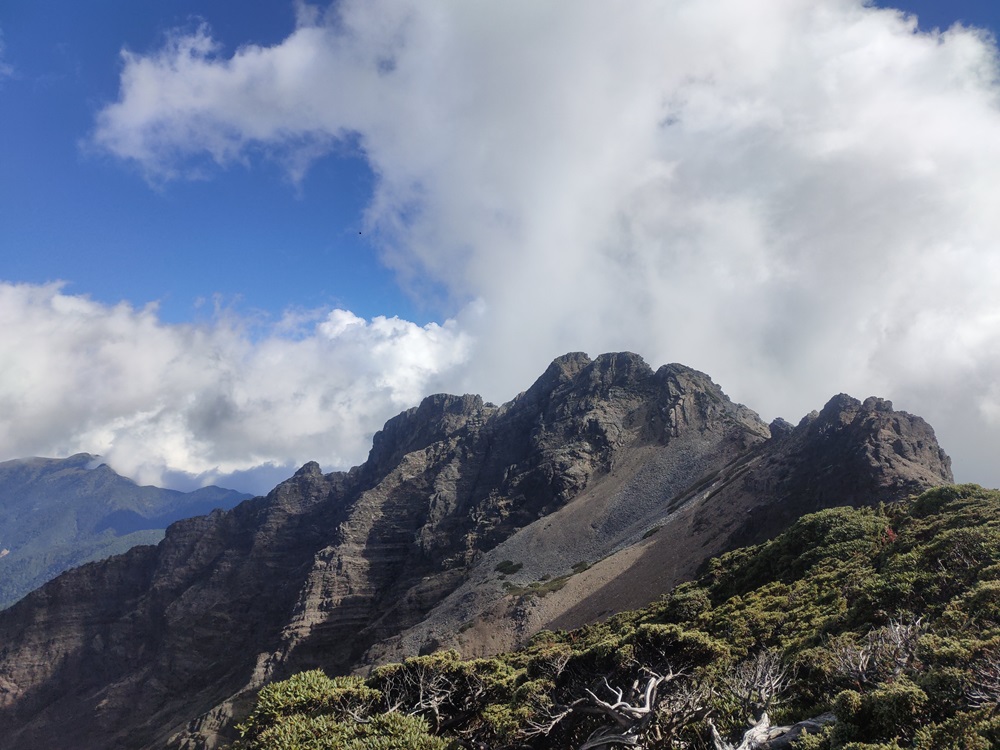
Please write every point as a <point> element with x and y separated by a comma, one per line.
<point>442,695</point>
<point>885,654</point>
<point>753,738</point>
<point>984,688</point>
<point>624,712</point>
<point>553,716</point>
<point>757,683</point>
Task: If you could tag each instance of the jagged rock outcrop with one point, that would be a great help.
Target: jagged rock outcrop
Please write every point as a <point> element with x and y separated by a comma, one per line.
<point>408,551</point>
<point>849,453</point>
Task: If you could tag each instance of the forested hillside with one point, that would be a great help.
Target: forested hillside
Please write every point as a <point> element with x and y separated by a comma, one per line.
<point>59,513</point>
<point>855,629</point>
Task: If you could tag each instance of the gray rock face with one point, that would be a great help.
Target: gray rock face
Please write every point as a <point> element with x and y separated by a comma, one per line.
<point>850,453</point>
<point>401,554</point>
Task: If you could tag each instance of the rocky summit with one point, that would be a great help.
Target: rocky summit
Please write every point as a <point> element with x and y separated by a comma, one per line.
<point>470,526</point>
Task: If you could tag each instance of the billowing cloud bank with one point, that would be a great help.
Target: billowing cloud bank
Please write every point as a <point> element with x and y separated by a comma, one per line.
<point>796,196</point>
<point>157,400</point>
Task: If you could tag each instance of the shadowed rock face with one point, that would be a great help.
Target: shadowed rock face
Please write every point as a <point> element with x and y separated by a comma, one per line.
<point>392,557</point>
<point>849,453</point>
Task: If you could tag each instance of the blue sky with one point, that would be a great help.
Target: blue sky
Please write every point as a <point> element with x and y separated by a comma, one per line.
<point>943,15</point>
<point>247,235</point>
<point>344,243</point>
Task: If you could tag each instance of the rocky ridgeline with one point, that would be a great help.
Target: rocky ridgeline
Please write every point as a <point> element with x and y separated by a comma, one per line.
<point>639,475</point>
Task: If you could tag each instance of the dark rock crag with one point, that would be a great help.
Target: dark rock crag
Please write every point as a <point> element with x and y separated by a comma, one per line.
<point>601,462</point>
<point>849,453</point>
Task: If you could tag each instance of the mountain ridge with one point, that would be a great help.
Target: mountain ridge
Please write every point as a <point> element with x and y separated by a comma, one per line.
<point>724,512</point>
<point>57,513</point>
<point>350,568</point>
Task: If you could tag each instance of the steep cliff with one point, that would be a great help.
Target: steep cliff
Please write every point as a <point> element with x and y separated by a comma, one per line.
<point>462,516</point>
<point>850,453</point>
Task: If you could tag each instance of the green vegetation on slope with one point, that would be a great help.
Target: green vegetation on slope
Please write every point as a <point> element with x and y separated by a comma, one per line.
<point>29,566</point>
<point>58,513</point>
<point>886,619</point>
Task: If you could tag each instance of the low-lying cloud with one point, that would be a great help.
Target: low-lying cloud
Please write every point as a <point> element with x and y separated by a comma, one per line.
<point>796,197</point>
<point>190,404</point>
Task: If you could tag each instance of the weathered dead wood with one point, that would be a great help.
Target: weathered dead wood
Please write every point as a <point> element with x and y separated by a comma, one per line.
<point>753,738</point>
<point>758,682</point>
<point>984,687</point>
<point>631,711</point>
<point>884,654</point>
<point>783,737</point>
<point>763,736</point>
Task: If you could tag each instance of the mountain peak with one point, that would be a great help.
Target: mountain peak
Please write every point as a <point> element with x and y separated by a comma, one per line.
<point>309,469</point>
<point>434,419</point>
<point>602,485</point>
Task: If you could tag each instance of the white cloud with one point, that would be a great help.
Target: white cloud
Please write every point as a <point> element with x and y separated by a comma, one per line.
<point>157,399</point>
<point>798,197</point>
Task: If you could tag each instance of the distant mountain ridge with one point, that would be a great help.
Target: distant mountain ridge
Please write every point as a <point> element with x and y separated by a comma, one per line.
<point>57,513</point>
<point>470,525</point>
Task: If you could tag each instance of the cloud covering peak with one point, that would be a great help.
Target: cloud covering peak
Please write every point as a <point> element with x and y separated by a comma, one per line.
<point>796,197</point>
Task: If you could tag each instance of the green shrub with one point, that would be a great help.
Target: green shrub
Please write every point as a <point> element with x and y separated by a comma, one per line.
<point>392,731</point>
<point>810,741</point>
<point>892,712</point>
<point>305,695</point>
<point>964,731</point>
